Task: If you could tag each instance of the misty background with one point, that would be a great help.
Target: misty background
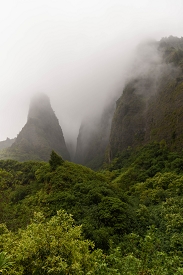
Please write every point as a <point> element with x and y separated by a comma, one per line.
<point>78,52</point>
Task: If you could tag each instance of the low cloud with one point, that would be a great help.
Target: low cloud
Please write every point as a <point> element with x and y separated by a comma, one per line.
<point>77,52</point>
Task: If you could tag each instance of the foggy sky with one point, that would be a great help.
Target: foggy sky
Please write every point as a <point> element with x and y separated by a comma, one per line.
<point>78,52</point>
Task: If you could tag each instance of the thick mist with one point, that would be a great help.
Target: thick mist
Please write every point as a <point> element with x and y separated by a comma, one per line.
<point>149,68</point>
<point>77,52</point>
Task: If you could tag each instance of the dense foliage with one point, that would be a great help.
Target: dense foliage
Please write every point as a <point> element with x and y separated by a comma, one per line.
<point>63,218</point>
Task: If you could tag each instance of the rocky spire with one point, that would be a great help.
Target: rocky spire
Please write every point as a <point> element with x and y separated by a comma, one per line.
<point>42,132</point>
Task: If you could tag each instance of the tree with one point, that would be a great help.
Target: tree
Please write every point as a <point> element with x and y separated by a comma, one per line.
<point>55,160</point>
<point>51,247</point>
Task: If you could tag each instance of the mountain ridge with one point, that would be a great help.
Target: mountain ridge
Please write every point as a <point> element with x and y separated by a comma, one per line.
<point>142,117</point>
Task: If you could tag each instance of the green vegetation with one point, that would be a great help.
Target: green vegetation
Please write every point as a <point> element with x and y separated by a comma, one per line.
<point>55,160</point>
<point>60,218</point>
<point>64,218</point>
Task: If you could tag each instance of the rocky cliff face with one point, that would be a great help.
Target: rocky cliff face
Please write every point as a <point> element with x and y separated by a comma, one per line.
<point>40,135</point>
<point>151,106</point>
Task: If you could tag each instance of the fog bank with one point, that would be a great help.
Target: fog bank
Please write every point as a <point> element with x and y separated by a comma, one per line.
<point>77,52</point>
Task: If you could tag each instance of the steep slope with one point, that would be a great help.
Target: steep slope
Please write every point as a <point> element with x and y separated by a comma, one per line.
<point>93,139</point>
<point>151,106</point>
<point>40,135</point>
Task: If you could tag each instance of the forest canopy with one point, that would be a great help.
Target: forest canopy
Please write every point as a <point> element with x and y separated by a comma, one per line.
<point>63,218</point>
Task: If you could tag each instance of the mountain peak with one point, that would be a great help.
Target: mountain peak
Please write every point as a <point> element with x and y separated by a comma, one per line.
<point>40,135</point>
<point>39,104</point>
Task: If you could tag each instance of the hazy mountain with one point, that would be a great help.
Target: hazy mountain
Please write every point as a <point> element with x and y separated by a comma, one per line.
<point>151,105</point>
<point>93,139</point>
<point>40,135</point>
<point>6,143</point>
<point>149,109</point>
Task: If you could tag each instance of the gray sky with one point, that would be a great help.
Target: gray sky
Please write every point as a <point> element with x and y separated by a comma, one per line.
<point>76,51</point>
